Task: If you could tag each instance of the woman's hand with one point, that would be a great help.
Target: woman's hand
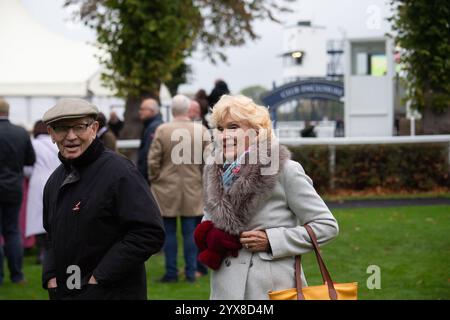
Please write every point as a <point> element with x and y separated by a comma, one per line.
<point>255,241</point>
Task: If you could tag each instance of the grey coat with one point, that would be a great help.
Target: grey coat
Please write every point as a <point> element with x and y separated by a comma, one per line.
<point>280,205</point>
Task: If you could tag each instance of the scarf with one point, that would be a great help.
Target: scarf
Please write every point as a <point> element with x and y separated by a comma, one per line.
<point>92,153</point>
<point>231,171</point>
<point>231,210</point>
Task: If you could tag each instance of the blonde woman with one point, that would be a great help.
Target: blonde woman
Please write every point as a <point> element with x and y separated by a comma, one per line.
<point>256,201</point>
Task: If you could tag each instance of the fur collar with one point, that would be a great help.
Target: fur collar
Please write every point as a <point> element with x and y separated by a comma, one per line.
<point>232,210</point>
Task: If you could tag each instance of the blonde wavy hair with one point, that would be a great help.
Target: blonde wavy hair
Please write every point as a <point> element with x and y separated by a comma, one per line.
<point>242,110</point>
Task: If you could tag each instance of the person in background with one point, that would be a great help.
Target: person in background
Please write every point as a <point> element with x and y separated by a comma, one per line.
<point>194,114</point>
<point>220,88</point>
<point>115,124</point>
<point>46,162</point>
<point>308,130</point>
<point>104,134</point>
<point>177,184</point>
<point>101,220</point>
<point>202,98</point>
<point>151,118</point>
<point>16,151</point>
<point>340,132</point>
<point>28,243</point>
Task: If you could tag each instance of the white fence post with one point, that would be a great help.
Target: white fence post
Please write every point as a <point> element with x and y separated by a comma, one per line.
<point>449,156</point>
<point>332,164</point>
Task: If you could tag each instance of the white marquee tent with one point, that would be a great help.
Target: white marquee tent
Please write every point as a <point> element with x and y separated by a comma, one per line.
<point>38,66</point>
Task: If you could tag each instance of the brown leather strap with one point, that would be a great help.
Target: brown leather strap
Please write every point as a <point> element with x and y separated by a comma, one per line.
<point>323,269</point>
<point>298,277</point>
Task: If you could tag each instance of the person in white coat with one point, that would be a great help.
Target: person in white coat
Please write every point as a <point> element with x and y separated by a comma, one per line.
<point>46,162</point>
<point>256,203</point>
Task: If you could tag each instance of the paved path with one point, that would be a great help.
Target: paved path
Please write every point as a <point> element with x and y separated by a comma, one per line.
<point>380,203</point>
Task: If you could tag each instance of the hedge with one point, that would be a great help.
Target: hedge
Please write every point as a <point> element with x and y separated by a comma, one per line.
<point>397,167</point>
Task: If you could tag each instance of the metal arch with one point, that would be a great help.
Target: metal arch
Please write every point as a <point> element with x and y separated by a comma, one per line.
<point>310,89</point>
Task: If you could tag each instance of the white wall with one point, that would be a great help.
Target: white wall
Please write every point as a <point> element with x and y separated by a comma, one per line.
<point>312,41</point>
<point>369,102</point>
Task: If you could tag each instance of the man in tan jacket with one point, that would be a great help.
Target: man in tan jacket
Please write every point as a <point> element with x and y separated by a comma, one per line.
<point>175,165</point>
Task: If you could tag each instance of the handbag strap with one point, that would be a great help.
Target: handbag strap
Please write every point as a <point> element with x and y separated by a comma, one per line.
<point>323,269</point>
<point>298,277</point>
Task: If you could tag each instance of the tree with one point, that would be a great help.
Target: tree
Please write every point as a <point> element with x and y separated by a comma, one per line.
<point>179,76</point>
<point>147,42</point>
<point>144,43</point>
<point>254,92</point>
<point>423,30</point>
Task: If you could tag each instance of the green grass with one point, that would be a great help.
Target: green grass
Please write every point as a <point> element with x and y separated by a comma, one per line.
<point>173,291</point>
<point>411,245</point>
<point>393,196</point>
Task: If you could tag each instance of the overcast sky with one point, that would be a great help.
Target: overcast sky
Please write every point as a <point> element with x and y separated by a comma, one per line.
<point>256,63</point>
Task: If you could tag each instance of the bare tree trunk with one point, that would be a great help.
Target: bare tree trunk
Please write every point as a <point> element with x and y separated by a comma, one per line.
<point>132,128</point>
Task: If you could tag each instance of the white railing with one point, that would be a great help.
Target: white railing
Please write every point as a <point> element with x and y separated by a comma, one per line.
<point>365,140</point>
<point>333,142</point>
<point>128,144</point>
<point>134,143</point>
<point>293,129</point>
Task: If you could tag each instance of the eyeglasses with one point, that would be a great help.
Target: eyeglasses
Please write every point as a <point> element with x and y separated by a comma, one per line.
<point>78,129</point>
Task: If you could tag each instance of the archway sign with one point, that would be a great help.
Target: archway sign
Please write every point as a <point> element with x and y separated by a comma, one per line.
<point>309,89</point>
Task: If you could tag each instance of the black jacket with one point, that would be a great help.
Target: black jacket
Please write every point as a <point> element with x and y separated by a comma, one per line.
<point>116,127</point>
<point>219,90</point>
<point>150,127</point>
<point>16,151</point>
<point>101,217</point>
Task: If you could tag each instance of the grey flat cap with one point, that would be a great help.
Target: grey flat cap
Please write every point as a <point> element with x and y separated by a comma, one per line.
<point>69,108</point>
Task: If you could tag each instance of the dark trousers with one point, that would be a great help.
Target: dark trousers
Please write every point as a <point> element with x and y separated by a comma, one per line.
<point>190,251</point>
<point>12,248</point>
<point>200,266</point>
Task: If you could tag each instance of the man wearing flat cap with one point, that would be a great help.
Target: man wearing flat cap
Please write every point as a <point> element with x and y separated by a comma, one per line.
<point>16,151</point>
<point>102,221</point>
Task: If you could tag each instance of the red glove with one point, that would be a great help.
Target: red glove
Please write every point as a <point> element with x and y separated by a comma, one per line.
<point>222,241</point>
<point>215,244</point>
<point>211,258</point>
<point>200,234</point>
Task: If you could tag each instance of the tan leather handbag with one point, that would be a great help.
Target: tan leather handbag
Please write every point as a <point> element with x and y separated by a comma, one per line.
<point>328,291</point>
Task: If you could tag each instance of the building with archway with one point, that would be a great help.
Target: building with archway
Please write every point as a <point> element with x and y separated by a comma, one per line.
<point>341,87</point>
